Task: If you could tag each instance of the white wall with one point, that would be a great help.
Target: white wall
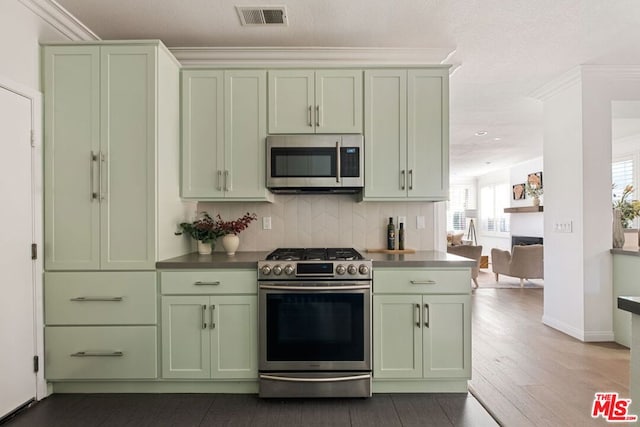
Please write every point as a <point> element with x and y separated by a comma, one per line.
<point>331,220</point>
<point>577,153</point>
<point>526,224</point>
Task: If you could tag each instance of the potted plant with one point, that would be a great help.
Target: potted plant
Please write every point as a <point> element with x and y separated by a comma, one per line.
<point>535,191</point>
<point>204,230</point>
<point>230,230</point>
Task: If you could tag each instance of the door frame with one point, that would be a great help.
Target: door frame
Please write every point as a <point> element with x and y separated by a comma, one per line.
<point>37,195</point>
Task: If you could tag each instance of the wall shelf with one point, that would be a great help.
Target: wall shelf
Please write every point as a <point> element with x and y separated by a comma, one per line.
<point>524,209</point>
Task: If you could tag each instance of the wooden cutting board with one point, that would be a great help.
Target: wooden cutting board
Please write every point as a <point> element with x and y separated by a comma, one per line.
<point>392,251</point>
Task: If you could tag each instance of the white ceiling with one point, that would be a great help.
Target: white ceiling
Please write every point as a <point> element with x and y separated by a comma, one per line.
<point>506,48</point>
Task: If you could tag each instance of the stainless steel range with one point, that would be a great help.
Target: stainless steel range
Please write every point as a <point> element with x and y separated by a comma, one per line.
<point>315,323</point>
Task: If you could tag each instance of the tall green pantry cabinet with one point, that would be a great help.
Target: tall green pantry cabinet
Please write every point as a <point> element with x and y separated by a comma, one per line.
<point>111,203</point>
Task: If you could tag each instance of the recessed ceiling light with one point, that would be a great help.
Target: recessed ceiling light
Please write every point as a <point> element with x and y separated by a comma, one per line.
<point>481,133</point>
<point>497,139</point>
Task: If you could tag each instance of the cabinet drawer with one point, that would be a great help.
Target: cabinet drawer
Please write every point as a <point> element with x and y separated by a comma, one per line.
<point>100,352</point>
<point>421,281</point>
<point>100,298</point>
<point>209,282</point>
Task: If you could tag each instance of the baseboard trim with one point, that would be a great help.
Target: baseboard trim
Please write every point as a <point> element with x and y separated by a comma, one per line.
<point>582,335</point>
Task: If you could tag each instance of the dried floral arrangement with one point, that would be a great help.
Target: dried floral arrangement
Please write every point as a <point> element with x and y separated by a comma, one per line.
<point>234,226</point>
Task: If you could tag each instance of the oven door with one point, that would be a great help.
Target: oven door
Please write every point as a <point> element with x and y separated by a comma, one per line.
<point>315,327</point>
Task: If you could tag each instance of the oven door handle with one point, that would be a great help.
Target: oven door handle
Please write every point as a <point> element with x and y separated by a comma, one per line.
<point>315,380</point>
<point>315,288</point>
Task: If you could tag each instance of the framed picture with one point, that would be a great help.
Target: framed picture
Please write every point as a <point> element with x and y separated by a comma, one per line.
<point>535,179</point>
<point>517,191</point>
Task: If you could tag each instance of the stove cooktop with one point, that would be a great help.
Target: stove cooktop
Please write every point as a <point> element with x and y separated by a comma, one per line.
<point>314,254</point>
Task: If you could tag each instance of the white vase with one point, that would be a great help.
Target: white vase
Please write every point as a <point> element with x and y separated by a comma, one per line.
<point>618,231</point>
<point>204,248</point>
<point>230,243</point>
<point>536,201</point>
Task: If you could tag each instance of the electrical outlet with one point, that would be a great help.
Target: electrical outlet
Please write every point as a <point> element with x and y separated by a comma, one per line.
<point>402,220</point>
<point>420,224</point>
<point>266,223</point>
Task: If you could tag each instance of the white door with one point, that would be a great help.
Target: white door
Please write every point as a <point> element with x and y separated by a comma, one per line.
<point>17,334</point>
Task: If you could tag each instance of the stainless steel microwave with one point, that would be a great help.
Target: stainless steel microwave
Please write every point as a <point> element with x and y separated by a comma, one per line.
<point>315,163</point>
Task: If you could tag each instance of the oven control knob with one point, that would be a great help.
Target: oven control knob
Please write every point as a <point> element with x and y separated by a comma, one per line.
<point>363,269</point>
<point>277,270</point>
<point>266,270</point>
<point>352,269</point>
<point>340,269</point>
<point>288,270</point>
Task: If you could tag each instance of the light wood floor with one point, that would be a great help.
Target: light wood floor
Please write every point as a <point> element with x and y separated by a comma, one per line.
<point>528,374</point>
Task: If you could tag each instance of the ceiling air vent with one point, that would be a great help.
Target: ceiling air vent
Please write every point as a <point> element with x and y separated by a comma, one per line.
<point>262,15</point>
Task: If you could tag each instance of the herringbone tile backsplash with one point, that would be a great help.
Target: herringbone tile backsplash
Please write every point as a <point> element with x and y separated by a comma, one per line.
<point>326,221</point>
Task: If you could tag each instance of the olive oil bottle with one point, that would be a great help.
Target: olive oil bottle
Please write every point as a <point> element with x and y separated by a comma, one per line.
<point>391,235</point>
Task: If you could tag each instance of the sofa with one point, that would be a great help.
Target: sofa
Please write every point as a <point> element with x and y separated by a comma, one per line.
<point>524,262</point>
<point>472,252</point>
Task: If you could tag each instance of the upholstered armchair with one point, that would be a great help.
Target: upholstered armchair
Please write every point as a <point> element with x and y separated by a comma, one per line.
<point>472,252</point>
<point>525,262</point>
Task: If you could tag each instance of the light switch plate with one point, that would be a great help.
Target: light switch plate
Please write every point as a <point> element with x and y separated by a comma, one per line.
<point>266,223</point>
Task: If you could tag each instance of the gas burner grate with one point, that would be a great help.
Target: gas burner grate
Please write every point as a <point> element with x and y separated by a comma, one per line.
<point>314,254</point>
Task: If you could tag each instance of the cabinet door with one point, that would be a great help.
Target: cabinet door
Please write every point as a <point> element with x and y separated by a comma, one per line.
<point>245,134</point>
<point>385,110</point>
<point>234,339</point>
<point>128,134</point>
<point>72,134</point>
<point>291,101</point>
<point>185,337</point>
<point>202,133</point>
<point>338,101</point>
<point>397,336</point>
<point>447,336</point>
<point>428,135</point>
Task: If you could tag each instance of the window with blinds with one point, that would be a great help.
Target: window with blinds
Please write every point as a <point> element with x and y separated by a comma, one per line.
<point>459,201</point>
<point>493,200</point>
<point>621,176</point>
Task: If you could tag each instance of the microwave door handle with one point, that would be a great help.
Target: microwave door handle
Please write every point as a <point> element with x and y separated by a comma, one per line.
<point>338,161</point>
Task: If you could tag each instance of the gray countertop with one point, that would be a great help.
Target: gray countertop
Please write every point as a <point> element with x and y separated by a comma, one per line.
<point>433,259</point>
<point>634,252</point>
<point>630,304</point>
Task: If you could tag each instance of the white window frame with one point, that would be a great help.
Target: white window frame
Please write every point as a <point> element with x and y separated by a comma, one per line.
<point>468,203</point>
<point>496,212</point>
<point>619,187</point>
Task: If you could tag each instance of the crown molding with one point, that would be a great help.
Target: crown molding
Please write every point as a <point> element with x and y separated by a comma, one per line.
<point>618,72</point>
<point>570,78</point>
<point>60,19</point>
<point>307,56</point>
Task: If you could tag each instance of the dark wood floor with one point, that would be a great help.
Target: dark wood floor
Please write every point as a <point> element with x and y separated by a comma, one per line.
<point>184,410</point>
<point>529,374</point>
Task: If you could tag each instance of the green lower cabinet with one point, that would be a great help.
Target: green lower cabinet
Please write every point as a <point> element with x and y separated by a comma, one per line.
<point>421,336</point>
<point>210,337</point>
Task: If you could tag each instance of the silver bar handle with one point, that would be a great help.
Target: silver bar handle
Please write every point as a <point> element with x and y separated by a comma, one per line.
<point>315,288</point>
<point>426,315</point>
<point>402,179</point>
<point>103,162</point>
<point>410,179</point>
<point>315,380</point>
<point>86,299</point>
<point>211,322</point>
<point>202,318</point>
<point>219,184</point>
<point>417,315</point>
<point>310,122</point>
<point>116,353</point>
<point>227,180</point>
<point>199,283</point>
<point>338,161</point>
<point>318,115</point>
<point>94,159</point>
<point>423,282</point>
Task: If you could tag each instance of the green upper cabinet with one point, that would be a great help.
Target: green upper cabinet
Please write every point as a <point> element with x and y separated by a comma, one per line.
<point>322,101</point>
<point>102,141</point>
<point>406,134</point>
<point>223,135</point>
